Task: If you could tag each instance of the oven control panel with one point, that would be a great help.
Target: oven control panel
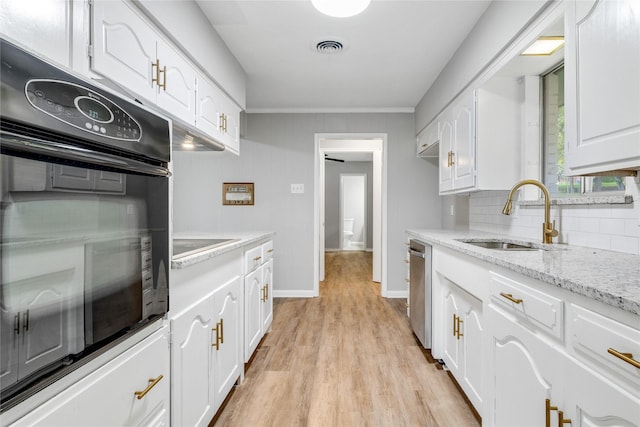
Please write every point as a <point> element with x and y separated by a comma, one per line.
<point>82,108</point>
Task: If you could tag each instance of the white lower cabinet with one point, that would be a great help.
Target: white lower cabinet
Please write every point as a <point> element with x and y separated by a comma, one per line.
<point>462,335</point>
<point>206,354</point>
<point>132,389</point>
<point>258,301</point>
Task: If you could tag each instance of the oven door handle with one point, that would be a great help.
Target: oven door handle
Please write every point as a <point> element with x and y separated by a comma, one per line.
<point>58,150</point>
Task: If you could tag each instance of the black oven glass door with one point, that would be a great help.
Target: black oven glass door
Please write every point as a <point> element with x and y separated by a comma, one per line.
<point>84,255</point>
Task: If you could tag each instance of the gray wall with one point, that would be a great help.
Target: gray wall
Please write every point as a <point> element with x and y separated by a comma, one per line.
<point>332,200</point>
<point>279,151</point>
<point>497,27</point>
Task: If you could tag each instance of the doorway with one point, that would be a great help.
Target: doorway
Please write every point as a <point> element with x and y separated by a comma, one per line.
<point>352,143</point>
<point>353,212</point>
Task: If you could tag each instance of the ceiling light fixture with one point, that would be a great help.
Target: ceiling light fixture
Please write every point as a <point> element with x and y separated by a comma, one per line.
<point>544,46</point>
<point>340,8</point>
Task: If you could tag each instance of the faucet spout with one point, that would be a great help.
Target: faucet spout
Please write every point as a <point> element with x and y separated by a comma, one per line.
<point>548,228</point>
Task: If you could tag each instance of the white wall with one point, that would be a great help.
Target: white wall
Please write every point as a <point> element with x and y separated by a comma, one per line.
<point>602,226</point>
<point>332,200</point>
<point>279,151</point>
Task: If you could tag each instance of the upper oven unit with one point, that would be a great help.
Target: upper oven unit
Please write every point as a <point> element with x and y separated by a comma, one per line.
<point>86,123</point>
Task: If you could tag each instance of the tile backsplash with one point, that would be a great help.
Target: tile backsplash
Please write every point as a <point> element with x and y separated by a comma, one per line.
<point>614,227</point>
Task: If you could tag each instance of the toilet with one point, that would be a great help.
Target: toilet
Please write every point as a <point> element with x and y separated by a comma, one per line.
<point>347,233</point>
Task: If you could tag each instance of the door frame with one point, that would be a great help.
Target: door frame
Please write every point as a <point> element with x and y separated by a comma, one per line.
<point>341,207</point>
<point>375,143</point>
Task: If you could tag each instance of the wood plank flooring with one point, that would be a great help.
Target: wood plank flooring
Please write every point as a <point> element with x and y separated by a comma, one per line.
<point>347,358</point>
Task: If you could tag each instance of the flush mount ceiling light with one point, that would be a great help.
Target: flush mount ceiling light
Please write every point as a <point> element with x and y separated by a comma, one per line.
<point>340,8</point>
<point>544,46</point>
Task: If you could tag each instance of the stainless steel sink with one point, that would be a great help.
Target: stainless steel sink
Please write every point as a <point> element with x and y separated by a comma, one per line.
<point>502,246</point>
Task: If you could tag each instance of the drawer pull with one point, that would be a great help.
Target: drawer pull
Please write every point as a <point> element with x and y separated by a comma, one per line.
<point>511,298</point>
<point>270,251</point>
<point>152,384</point>
<point>258,258</point>
<point>627,357</point>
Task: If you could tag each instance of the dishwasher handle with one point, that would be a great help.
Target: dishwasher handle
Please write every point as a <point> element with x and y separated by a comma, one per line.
<point>416,253</point>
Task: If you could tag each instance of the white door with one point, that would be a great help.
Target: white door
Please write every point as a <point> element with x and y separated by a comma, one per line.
<point>124,47</point>
<point>209,107</point>
<point>267,299</point>
<point>252,310</point>
<point>463,157</point>
<point>446,150</point>
<point>177,89</point>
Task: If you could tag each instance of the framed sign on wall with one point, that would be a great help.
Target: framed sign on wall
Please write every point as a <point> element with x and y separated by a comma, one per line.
<point>237,193</point>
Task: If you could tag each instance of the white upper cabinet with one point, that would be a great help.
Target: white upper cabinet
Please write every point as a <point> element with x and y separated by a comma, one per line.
<point>41,26</point>
<point>479,138</point>
<point>130,52</point>
<point>217,115</point>
<point>602,88</point>
<point>427,140</point>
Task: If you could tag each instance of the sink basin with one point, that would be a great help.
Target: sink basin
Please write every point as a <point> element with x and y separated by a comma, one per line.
<point>502,246</point>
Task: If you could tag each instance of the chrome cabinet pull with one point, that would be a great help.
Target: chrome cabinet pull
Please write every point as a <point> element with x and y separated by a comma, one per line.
<point>152,384</point>
<point>627,357</point>
<point>511,298</point>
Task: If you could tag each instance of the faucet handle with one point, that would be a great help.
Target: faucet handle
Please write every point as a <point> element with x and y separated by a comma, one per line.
<point>551,232</point>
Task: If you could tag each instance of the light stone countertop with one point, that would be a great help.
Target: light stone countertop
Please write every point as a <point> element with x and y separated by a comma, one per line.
<point>241,239</point>
<point>606,276</point>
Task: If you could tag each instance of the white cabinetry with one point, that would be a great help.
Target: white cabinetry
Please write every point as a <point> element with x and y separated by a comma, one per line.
<point>41,308</point>
<point>130,52</point>
<point>427,140</point>
<point>217,115</point>
<point>206,354</point>
<point>132,389</point>
<point>480,139</point>
<point>42,27</point>
<point>258,286</point>
<point>602,89</point>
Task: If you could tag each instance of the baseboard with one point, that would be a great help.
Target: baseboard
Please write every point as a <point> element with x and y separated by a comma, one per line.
<point>293,294</point>
<point>332,249</point>
<point>396,294</point>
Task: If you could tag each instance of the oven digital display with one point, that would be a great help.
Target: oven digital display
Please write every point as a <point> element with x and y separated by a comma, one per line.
<point>94,109</point>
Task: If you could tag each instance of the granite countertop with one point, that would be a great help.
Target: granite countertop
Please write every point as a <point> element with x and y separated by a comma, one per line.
<point>606,276</point>
<point>238,240</point>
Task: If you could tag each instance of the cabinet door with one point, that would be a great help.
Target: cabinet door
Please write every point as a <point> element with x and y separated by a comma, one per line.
<point>191,363</point>
<point>593,401</point>
<point>107,396</point>
<point>177,93</point>
<point>446,148</point>
<point>463,157</point>
<point>232,127</point>
<point>8,347</point>
<point>602,120</point>
<point>44,28</point>
<point>209,107</point>
<point>124,47</point>
<point>228,353</point>
<point>252,312</point>
<point>527,371</point>
<point>267,298</point>
<point>472,369</point>
<point>427,140</point>
<point>451,340</point>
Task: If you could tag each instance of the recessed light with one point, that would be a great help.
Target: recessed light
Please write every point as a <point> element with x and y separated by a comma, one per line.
<point>544,46</point>
<point>340,8</point>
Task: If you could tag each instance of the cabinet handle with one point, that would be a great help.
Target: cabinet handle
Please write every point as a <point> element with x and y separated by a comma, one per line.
<point>221,122</point>
<point>270,251</point>
<point>219,335</point>
<point>16,324</point>
<point>452,156</point>
<point>547,412</point>
<point>562,420</point>
<point>627,357</point>
<point>25,321</point>
<point>164,78</point>
<point>221,331</point>
<point>266,288</point>
<point>407,261</point>
<point>152,384</point>
<point>156,66</point>
<point>511,298</point>
<point>423,145</point>
<point>258,258</point>
<point>459,334</point>
<point>455,329</point>
<point>406,304</point>
<point>448,159</point>
<point>407,280</point>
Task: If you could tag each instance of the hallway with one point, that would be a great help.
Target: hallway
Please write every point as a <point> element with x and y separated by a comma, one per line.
<point>347,358</point>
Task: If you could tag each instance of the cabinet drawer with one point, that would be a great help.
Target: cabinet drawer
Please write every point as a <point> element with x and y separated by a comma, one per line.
<point>267,251</point>
<point>592,335</point>
<point>252,258</point>
<point>532,306</point>
<point>106,397</point>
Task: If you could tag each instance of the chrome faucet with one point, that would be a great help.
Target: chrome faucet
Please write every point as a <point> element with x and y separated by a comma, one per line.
<point>548,228</point>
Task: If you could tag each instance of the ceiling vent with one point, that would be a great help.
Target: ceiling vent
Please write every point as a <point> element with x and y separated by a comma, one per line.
<point>330,46</point>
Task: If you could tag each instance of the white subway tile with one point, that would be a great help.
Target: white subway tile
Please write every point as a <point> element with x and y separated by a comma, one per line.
<point>578,238</point>
<point>625,244</point>
<point>632,227</point>
<point>599,241</point>
<point>589,225</point>
<point>612,226</point>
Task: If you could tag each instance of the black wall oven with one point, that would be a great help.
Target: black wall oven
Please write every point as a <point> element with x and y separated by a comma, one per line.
<point>84,221</point>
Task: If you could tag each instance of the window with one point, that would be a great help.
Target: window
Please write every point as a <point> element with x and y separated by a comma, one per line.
<point>553,145</point>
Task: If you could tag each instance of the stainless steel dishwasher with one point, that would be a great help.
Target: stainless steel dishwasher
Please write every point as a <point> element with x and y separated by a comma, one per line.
<point>420,291</point>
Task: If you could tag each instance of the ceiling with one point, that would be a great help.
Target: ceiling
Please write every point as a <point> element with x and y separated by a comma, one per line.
<point>393,51</point>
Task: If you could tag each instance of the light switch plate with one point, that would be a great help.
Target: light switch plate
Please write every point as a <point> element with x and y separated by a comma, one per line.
<point>297,188</point>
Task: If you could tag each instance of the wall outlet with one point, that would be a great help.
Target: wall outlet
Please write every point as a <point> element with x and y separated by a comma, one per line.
<point>297,188</point>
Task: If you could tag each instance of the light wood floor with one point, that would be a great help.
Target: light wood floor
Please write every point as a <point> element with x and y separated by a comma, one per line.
<point>347,358</point>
